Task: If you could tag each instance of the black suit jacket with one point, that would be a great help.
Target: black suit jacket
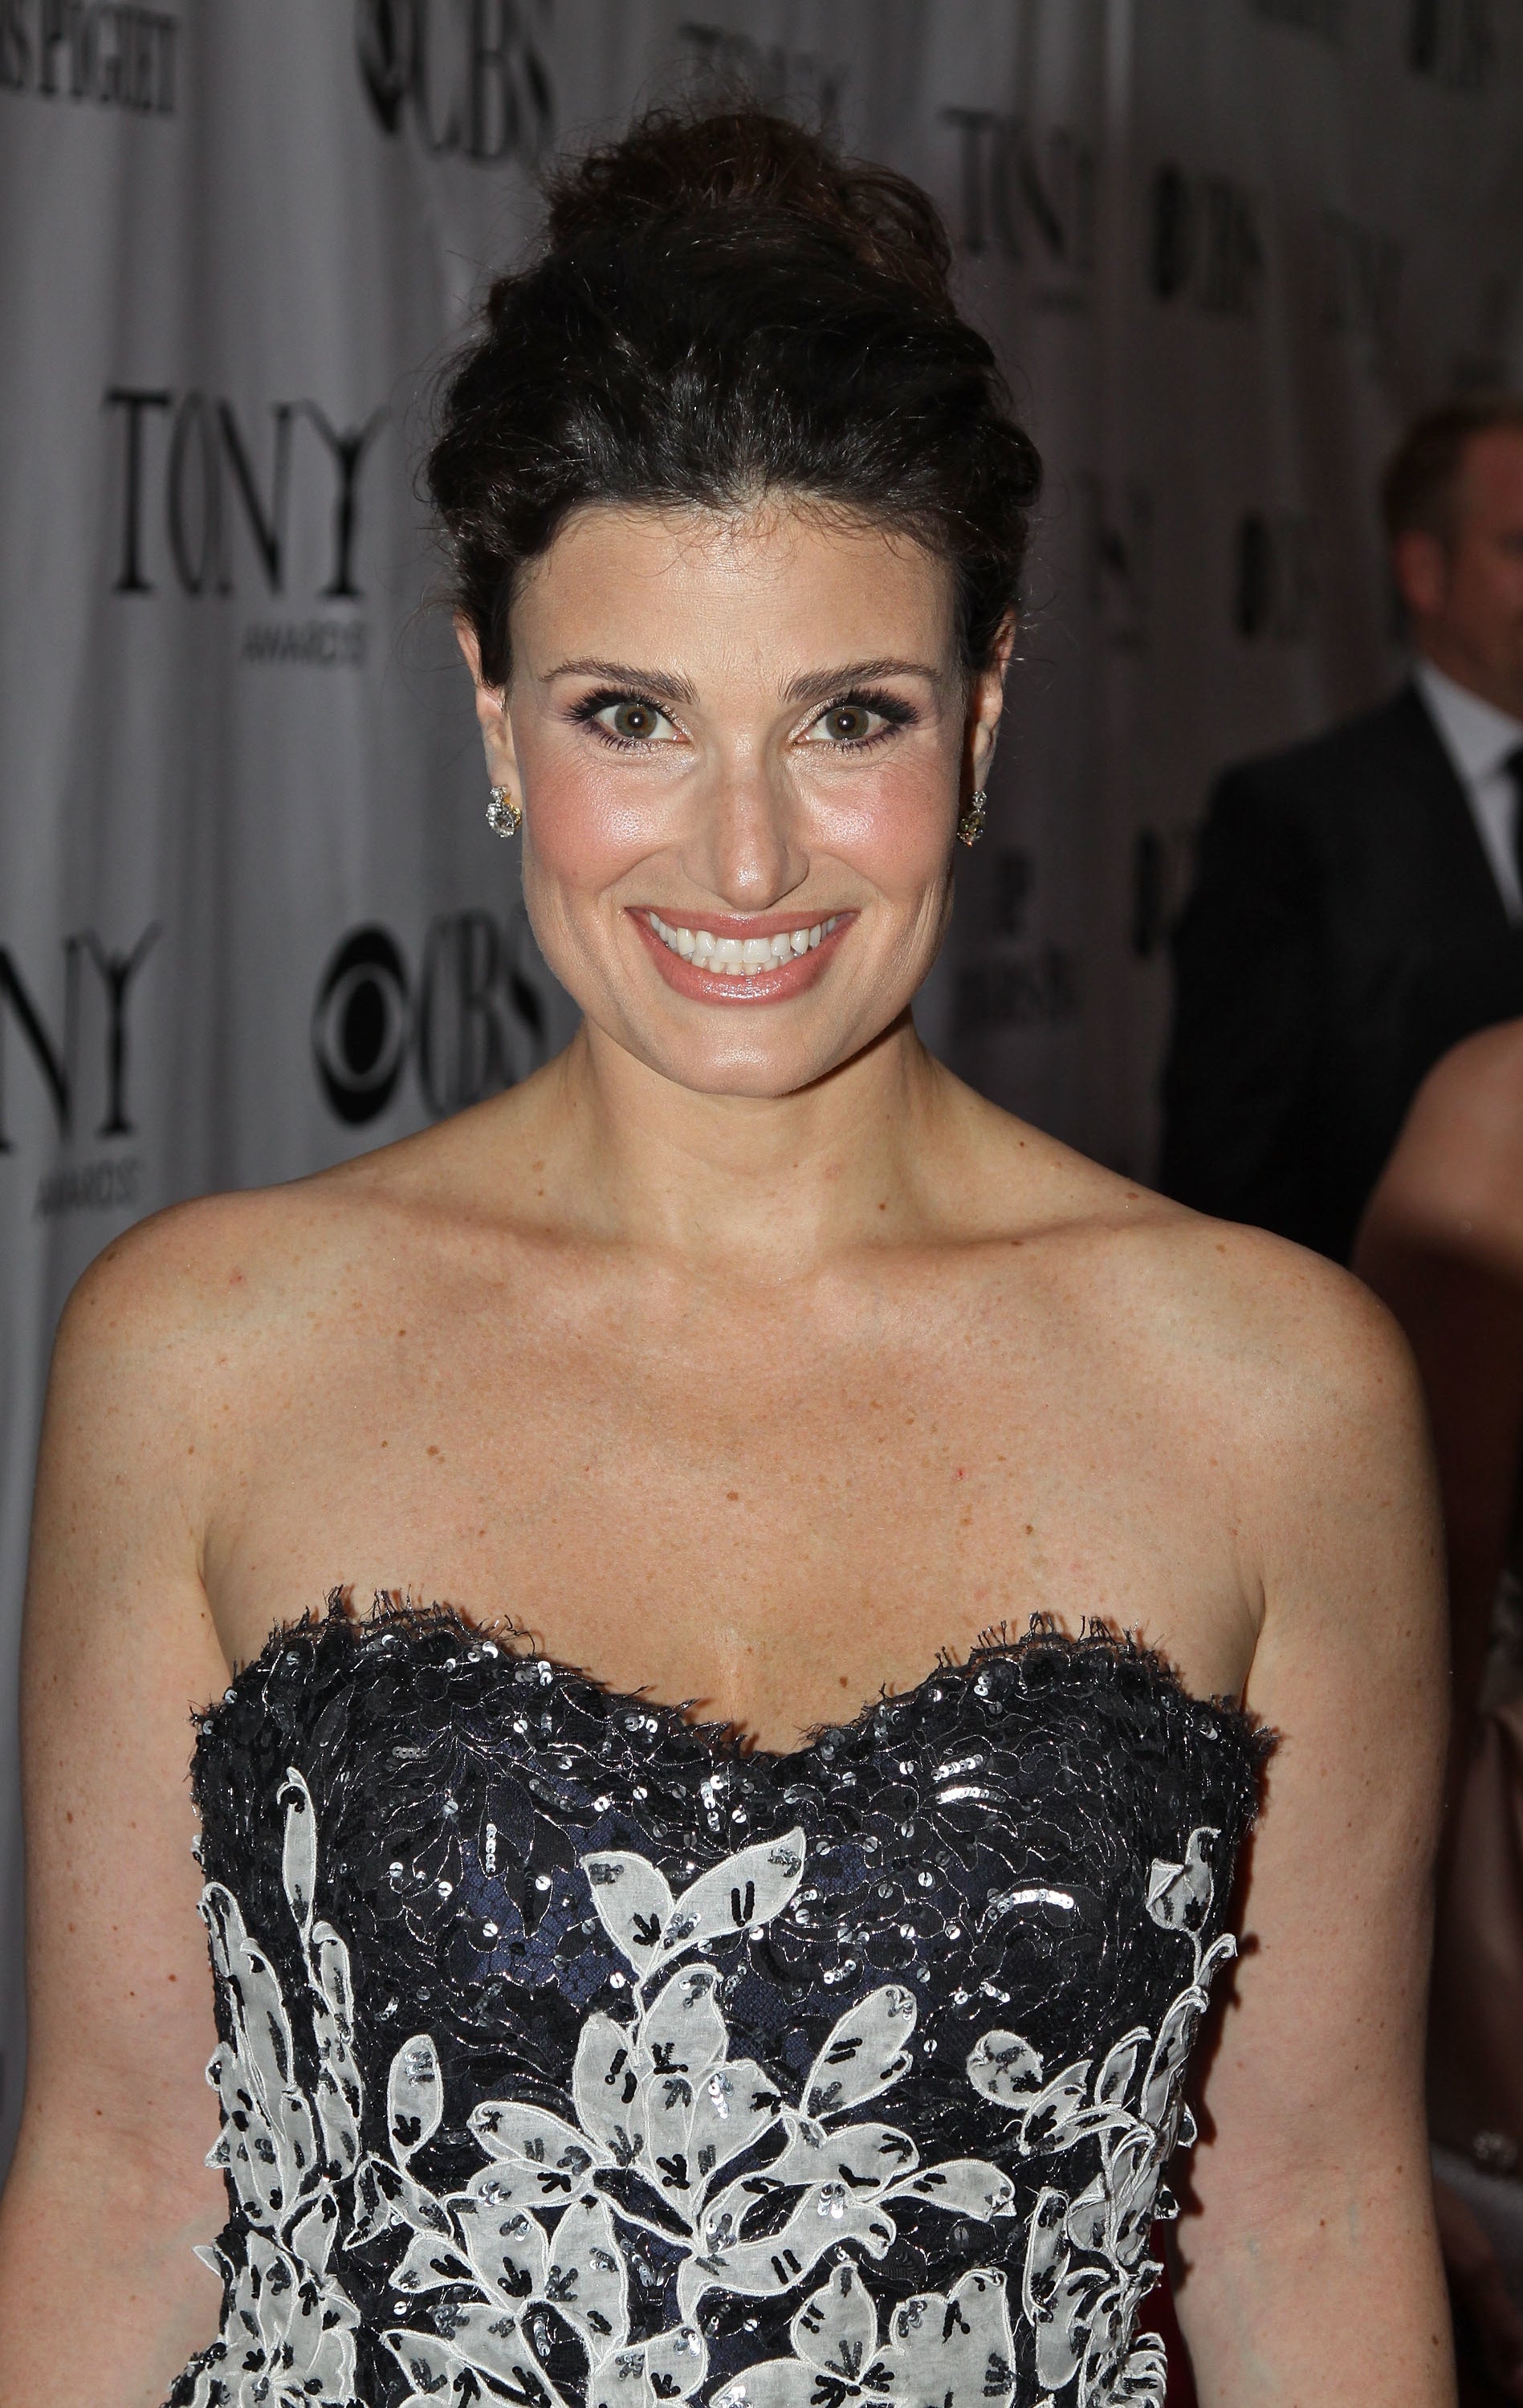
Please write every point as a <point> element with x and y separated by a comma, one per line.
<point>1341,888</point>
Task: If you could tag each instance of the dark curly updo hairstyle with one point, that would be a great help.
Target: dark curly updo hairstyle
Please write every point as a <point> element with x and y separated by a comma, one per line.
<point>725,307</point>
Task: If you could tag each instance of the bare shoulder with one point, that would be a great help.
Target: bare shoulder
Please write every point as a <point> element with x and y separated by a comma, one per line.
<point>248,1265</point>
<point>1484,1074</point>
<point>1284,1323</point>
<point>1298,1380</point>
<point>199,1271</point>
<point>1457,1167</point>
<point>1228,1315</point>
<point>195,1323</point>
<point>1296,1346</point>
<point>1278,1364</point>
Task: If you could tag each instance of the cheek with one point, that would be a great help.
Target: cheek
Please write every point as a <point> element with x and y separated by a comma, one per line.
<point>893,827</point>
<point>588,825</point>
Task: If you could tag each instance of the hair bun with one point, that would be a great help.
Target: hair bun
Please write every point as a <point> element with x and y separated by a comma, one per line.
<point>686,167</point>
<point>724,309</point>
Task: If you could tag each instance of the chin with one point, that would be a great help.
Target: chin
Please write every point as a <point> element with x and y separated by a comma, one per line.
<point>760,1057</point>
<point>762,1076</point>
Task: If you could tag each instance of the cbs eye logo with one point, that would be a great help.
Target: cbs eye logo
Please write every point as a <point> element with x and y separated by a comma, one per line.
<point>470,1023</point>
<point>361,1023</point>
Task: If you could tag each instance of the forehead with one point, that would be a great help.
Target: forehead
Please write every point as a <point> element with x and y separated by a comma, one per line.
<point>776,587</point>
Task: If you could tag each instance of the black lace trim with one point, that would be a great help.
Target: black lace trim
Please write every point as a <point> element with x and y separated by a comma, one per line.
<point>1138,1668</point>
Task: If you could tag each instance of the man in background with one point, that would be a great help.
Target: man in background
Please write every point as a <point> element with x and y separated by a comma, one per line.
<point>1359,896</point>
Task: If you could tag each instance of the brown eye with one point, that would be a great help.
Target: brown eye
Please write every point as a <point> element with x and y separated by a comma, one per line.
<point>847,723</point>
<point>628,719</point>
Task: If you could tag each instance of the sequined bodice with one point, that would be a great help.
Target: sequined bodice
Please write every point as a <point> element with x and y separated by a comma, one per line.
<point>573,2057</point>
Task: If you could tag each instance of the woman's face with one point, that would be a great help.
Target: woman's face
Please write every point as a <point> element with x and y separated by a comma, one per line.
<point>740,744</point>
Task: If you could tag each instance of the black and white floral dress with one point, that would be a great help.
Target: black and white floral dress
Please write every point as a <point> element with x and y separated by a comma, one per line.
<point>575,2057</point>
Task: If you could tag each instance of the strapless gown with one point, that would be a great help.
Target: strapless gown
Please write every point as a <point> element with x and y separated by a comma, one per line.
<point>574,2057</point>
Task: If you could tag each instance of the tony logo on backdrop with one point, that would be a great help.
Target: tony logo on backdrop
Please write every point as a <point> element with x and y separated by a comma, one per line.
<point>206,492</point>
<point>81,1056</point>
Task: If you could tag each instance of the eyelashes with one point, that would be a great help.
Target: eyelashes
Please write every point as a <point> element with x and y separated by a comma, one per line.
<point>604,698</point>
<point>586,710</point>
<point>889,707</point>
<point>891,710</point>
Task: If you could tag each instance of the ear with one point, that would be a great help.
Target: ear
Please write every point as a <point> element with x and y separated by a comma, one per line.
<point>1421,567</point>
<point>987,703</point>
<point>491,715</point>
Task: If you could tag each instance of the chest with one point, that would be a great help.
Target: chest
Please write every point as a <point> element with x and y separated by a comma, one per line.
<point>772,1510</point>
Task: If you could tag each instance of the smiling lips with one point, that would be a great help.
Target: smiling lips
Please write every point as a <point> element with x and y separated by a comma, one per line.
<point>771,960</point>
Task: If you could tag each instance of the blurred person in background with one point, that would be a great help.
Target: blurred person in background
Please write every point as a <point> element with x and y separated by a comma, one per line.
<point>1443,1245</point>
<point>1342,885</point>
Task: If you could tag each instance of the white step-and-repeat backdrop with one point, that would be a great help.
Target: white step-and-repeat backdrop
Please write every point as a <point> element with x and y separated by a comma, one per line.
<point>251,918</point>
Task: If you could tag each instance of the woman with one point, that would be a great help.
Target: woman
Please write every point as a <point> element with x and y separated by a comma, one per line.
<point>569,2049</point>
<point>1442,1244</point>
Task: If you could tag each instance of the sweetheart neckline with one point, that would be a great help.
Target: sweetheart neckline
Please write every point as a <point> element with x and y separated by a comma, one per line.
<point>729,1742</point>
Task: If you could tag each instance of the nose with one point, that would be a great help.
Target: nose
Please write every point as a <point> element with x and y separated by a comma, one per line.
<point>744,842</point>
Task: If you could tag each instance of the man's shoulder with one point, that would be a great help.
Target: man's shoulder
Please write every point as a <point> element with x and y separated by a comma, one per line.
<point>1337,764</point>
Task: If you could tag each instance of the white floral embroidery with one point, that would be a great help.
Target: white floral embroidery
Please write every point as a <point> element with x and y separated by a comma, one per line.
<point>954,2349</point>
<point>1087,2269</point>
<point>660,2104</point>
<point>287,2322</point>
<point>660,2107</point>
<point>661,2114</point>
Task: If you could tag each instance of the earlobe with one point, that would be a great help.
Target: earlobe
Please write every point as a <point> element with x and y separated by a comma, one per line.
<point>491,713</point>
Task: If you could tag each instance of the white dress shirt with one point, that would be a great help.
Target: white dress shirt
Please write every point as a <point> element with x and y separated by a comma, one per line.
<point>1477,738</point>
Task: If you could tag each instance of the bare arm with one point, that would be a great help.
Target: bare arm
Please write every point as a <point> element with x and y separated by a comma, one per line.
<point>1310,2270</point>
<point>101,2300</point>
<point>1443,1245</point>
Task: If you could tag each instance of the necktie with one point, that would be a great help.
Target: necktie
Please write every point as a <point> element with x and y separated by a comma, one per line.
<point>1513,766</point>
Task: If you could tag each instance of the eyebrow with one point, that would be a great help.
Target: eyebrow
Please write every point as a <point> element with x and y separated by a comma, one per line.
<point>818,685</point>
<point>658,683</point>
<point>811,685</point>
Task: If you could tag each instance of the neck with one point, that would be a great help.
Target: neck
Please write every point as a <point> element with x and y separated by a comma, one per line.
<point>767,1186</point>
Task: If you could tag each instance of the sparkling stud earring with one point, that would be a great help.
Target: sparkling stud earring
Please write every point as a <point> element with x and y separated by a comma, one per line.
<point>975,813</point>
<point>504,817</point>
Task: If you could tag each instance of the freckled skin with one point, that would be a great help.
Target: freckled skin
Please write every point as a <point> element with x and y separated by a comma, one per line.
<point>601,1354</point>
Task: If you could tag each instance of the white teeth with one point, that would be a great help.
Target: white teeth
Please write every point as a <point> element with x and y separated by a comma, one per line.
<point>741,956</point>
